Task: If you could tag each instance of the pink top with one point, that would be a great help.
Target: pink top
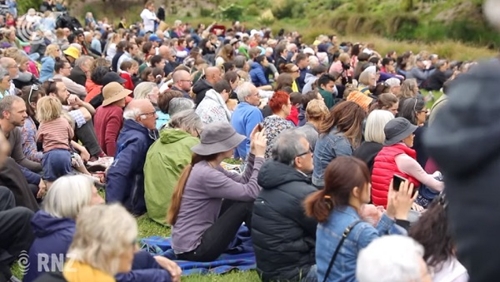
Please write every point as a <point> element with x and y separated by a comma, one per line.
<point>410,166</point>
<point>55,134</point>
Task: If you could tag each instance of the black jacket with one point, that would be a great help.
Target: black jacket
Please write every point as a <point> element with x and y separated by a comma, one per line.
<point>367,152</point>
<point>463,141</point>
<point>200,88</point>
<point>283,236</point>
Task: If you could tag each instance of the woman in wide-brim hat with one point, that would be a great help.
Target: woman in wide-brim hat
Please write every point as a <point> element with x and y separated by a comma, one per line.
<point>209,204</point>
<point>398,158</point>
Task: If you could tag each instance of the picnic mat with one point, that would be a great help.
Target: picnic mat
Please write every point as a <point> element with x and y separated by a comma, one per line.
<point>239,256</point>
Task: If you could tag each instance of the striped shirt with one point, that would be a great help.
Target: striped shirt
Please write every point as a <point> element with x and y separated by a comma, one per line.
<point>55,134</point>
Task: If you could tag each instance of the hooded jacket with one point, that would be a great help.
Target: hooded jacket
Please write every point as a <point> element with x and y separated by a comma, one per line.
<point>258,75</point>
<point>213,108</point>
<point>53,238</point>
<point>47,70</point>
<point>283,236</point>
<point>463,141</point>
<point>200,88</point>
<point>165,161</point>
<point>125,177</point>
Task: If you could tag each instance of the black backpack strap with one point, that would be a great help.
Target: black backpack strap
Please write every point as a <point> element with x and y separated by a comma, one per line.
<point>344,236</point>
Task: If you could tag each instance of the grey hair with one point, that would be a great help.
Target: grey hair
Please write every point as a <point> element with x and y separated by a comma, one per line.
<point>391,258</point>
<point>239,61</point>
<point>187,120</point>
<point>82,60</point>
<point>3,72</point>
<point>6,103</point>
<point>375,123</point>
<point>287,146</point>
<point>131,113</point>
<point>97,226</point>
<point>68,195</point>
<point>179,104</point>
<point>244,90</point>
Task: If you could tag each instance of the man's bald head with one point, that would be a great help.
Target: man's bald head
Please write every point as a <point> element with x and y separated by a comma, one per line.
<point>182,80</point>
<point>142,111</point>
<point>213,75</point>
<point>164,51</point>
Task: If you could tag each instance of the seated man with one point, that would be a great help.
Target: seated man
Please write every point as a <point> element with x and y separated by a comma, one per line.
<point>283,236</point>
<point>125,177</point>
<point>16,234</point>
<point>17,173</point>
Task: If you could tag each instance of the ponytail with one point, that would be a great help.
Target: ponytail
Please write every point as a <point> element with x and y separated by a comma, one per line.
<point>318,206</point>
<point>175,205</point>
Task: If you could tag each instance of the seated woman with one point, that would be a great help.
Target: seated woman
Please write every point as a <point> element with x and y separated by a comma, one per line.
<point>316,111</point>
<point>171,102</point>
<point>276,123</point>
<point>397,158</point>
<point>388,102</point>
<point>31,95</point>
<point>433,232</point>
<point>341,231</point>
<point>209,204</point>
<point>374,136</point>
<point>55,229</point>
<point>340,133</point>
<point>162,168</point>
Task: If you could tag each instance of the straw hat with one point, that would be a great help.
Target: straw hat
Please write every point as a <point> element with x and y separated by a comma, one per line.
<point>113,92</point>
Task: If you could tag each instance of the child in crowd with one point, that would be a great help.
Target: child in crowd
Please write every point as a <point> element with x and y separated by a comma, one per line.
<point>127,70</point>
<point>55,134</point>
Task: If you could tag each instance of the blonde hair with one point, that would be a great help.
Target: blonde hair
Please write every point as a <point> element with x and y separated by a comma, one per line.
<point>48,109</point>
<point>100,239</point>
<point>316,110</point>
<point>68,195</point>
<point>375,123</point>
<point>51,49</point>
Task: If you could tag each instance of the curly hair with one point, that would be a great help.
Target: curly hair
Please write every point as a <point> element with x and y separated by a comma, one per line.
<point>432,231</point>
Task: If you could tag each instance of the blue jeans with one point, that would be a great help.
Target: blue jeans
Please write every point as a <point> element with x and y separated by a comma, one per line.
<point>56,163</point>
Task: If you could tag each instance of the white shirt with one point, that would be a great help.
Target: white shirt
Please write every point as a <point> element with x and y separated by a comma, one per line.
<point>148,20</point>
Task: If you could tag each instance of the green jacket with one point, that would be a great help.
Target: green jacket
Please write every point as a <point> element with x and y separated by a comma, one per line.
<point>165,160</point>
<point>328,97</point>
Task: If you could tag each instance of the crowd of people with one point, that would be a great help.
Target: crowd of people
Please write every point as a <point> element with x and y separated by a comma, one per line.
<point>336,182</point>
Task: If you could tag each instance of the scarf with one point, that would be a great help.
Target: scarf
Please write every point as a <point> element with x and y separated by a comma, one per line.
<point>75,271</point>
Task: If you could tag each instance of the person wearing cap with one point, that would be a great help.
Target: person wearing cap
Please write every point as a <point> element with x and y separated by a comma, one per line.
<point>125,178</point>
<point>209,204</point>
<point>398,158</point>
<point>108,119</point>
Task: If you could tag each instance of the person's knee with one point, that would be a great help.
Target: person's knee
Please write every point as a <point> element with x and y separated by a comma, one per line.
<point>7,197</point>
<point>86,114</point>
<point>22,214</point>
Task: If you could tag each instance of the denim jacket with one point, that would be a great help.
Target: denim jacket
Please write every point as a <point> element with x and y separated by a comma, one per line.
<point>328,147</point>
<point>329,233</point>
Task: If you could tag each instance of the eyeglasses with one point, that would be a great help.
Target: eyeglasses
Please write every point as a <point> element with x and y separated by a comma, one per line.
<point>33,87</point>
<point>310,151</point>
<point>149,114</point>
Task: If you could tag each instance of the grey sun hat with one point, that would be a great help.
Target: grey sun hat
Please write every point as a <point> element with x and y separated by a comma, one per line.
<point>398,129</point>
<point>216,138</point>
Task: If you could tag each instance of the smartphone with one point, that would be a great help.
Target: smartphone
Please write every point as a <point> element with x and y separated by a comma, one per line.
<point>396,181</point>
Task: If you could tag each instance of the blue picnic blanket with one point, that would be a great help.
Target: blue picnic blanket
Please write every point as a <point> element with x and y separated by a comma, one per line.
<point>239,256</point>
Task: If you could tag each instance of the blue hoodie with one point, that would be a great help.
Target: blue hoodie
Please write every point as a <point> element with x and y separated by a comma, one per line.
<point>258,75</point>
<point>47,69</point>
<point>125,178</point>
<point>53,238</point>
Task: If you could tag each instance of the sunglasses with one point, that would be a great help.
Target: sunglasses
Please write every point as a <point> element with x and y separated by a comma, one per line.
<point>33,87</point>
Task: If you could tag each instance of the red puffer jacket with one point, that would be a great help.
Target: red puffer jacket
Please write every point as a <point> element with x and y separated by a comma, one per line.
<point>384,168</point>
